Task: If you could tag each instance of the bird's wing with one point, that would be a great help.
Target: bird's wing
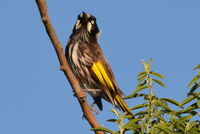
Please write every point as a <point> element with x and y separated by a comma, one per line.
<point>100,69</point>
<point>113,93</point>
<point>102,72</point>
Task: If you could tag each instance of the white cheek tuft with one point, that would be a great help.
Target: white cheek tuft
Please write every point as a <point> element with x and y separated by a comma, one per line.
<point>89,26</point>
<point>78,25</point>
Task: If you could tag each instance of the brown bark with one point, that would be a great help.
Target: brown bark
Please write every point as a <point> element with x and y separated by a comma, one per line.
<point>42,6</point>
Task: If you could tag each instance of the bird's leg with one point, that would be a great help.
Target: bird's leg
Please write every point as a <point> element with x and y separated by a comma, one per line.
<point>93,104</point>
<point>93,109</point>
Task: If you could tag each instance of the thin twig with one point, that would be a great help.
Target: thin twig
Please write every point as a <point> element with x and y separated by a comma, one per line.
<point>42,6</point>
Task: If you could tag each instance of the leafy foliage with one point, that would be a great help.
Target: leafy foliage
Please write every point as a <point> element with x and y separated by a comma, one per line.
<point>155,115</point>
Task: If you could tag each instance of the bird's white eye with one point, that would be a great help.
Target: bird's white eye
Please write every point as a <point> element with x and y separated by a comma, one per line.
<point>92,22</point>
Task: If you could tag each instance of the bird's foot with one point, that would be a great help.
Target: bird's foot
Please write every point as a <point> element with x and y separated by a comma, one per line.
<point>93,109</point>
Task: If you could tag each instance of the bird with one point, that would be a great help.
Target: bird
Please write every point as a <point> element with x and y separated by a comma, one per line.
<point>89,65</point>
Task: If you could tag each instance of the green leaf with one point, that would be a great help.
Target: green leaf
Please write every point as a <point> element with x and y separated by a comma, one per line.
<point>116,113</point>
<point>157,74</point>
<point>140,88</point>
<point>163,127</point>
<point>166,108</point>
<point>134,96</point>
<point>196,86</point>
<point>103,129</point>
<point>141,81</point>
<point>132,124</point>
<point>187,100</point>
<point>198,102</point>
<point>145,66</point>
<point>160,118</point>
<point>142,127</point>
<point>171,101</point>
<point>141,113</point>
<point>193,80</point>
<point>188,117</point>
<point>188,109</point>
<point>190,125</point>
<point>113,120</point>
<point>196,128</point>
<point>159,82</point>
<point>141,74</point>
<point>193,106</point>
<point>149,65</point>
<point>198,66</point>
<point>139,106</point>
<point>163,102</point>
<point>163,105</point>
<point>179,124</point>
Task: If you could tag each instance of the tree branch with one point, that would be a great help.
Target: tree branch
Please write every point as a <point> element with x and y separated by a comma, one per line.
<point>42,6</point>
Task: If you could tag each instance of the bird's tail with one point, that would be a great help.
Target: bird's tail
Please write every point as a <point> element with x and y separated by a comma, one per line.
<point>123,105</point>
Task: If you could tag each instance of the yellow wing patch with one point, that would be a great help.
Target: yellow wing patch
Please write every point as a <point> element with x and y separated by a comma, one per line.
<point>101,74</point>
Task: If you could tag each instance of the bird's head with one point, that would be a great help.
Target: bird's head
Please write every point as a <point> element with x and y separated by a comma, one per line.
<point>86,23</point>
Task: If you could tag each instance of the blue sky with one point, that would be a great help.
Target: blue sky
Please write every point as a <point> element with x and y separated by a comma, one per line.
<point>35,97</point>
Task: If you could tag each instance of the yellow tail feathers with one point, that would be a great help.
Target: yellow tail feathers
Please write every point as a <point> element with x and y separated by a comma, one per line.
<point>123,105</point>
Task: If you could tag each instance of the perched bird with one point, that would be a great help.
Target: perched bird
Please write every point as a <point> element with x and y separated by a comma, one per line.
<point>89,65</point>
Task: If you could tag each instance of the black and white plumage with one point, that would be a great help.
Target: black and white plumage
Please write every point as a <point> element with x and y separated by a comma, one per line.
<point>89,65</point>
